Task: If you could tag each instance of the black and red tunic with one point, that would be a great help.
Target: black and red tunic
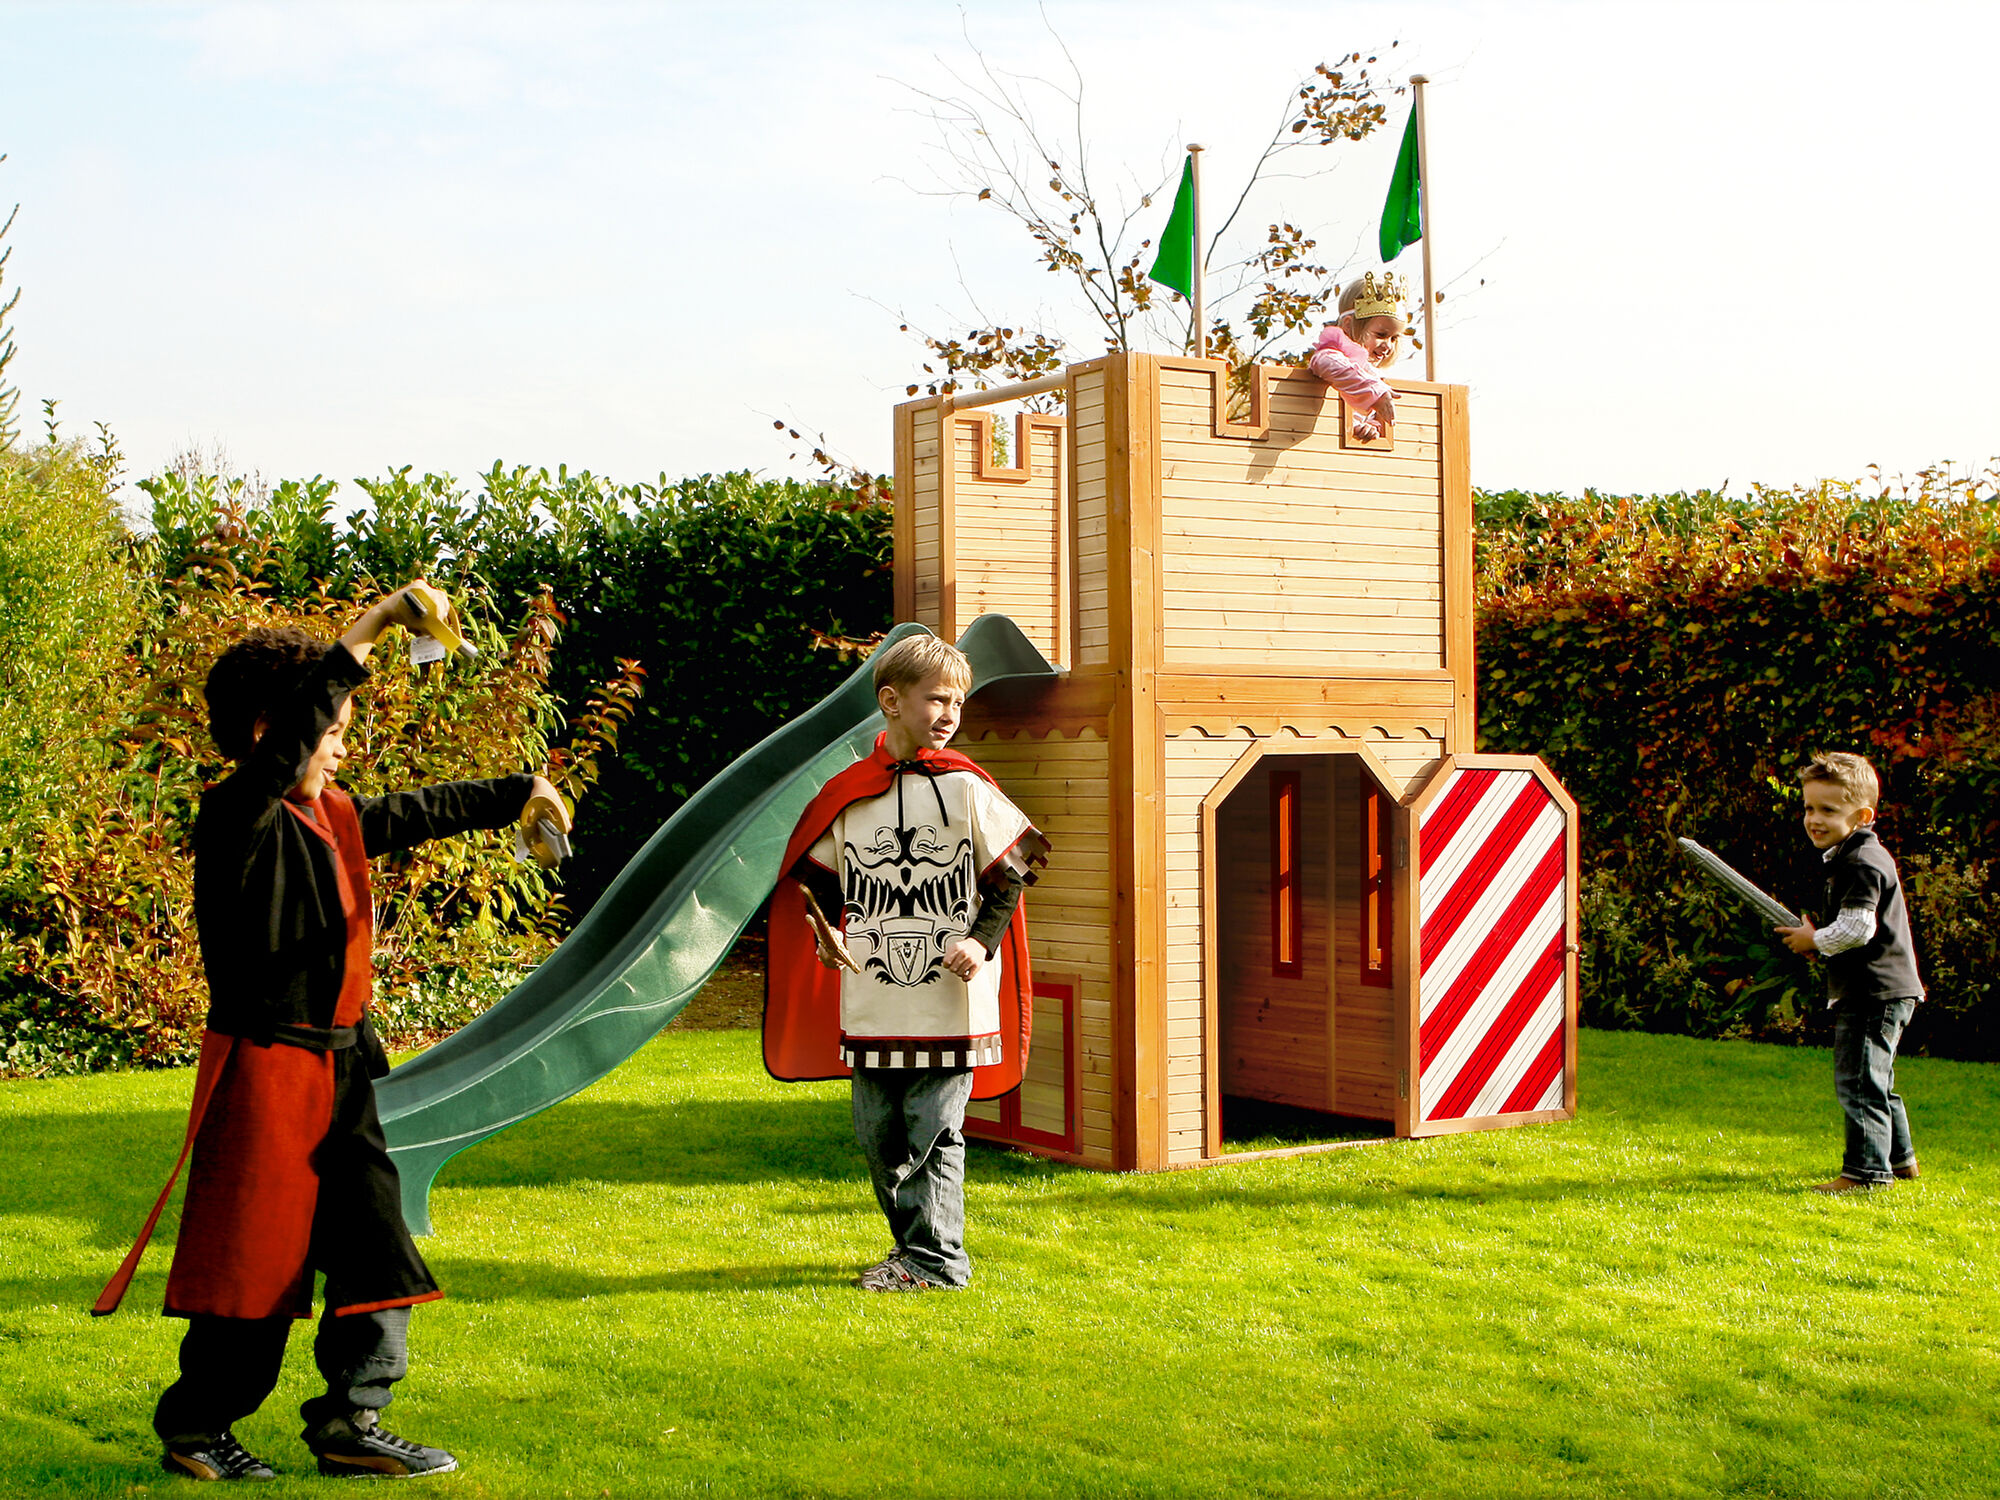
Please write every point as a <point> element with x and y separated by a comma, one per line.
<point>290,1173</point>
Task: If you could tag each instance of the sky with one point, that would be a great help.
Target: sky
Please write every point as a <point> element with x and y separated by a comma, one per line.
<point>1682,244</point>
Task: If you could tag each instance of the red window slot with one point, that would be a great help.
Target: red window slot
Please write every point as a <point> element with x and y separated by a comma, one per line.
<point>1378,889</point>
<point>1287,885</point>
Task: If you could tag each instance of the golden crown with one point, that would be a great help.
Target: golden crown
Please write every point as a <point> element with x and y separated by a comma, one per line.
<point>1380,298</point>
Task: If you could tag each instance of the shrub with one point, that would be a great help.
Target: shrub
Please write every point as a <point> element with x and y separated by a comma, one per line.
<point>727,589</point>
<point>106,962</point>
<point>67,605</point>
<point>735,594</point>
<point>1674,658</point>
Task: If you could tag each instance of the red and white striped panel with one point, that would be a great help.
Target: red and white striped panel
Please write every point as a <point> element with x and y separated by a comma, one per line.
<point>1493,903</point>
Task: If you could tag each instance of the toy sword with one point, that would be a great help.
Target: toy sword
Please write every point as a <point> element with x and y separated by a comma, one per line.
<point>436,636</point>
<point>540,837</point>
<point>1778,914</point>
<point>829,935</point>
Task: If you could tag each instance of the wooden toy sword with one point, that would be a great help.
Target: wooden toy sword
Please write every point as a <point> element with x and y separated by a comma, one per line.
<point>1705,861</point>
<point>829,935</point>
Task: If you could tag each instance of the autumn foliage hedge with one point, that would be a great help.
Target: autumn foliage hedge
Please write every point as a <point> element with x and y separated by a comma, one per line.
<point>736,597</point>
<point>586,600</point>
<point>1674,657</point>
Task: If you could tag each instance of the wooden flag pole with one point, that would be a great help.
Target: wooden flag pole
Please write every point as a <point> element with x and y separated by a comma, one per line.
<point>1200,266</point>
<point>1417,82</point>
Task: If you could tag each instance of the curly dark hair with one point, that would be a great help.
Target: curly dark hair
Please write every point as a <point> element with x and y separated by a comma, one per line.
<point>250,677</point>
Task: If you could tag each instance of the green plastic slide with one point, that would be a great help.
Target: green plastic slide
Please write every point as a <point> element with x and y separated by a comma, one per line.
<point>652,939</point>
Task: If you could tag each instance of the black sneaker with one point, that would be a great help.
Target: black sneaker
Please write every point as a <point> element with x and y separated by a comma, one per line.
<point>217,1458</point>
<point>357,1448</point>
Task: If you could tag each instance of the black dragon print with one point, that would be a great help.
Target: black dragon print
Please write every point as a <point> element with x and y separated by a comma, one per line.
<point>911,893</point>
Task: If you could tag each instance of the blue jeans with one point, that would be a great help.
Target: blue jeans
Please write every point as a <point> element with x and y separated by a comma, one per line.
<point>910,1124</point>
<point>1865,1034</point>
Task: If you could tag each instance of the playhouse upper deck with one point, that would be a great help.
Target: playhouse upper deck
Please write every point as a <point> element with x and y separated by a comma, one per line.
<point>1144,530</point>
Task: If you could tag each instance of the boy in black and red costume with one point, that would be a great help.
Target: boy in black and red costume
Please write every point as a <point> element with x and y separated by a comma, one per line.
<point>290,1172</point>
<point>920,858</point>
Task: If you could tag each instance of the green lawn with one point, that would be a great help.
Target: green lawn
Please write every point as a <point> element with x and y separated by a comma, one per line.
<point>649,1295</point>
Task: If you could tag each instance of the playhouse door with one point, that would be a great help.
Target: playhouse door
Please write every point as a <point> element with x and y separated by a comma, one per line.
<point>1495,1042</point>
<point>1309,945</point>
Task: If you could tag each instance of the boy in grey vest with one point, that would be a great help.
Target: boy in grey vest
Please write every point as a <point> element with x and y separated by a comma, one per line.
<point>1871,968</point>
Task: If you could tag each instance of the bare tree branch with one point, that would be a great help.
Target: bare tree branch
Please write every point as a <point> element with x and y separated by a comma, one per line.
<point>995,146</point>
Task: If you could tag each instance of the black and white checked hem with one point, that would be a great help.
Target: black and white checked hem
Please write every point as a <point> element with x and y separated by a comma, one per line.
<point>974,1052</point>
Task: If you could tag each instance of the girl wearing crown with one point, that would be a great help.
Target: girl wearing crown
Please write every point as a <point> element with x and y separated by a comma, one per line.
<point>1364,338</point>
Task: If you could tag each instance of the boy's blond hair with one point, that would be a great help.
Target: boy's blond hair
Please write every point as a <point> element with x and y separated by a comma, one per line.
<point>917,657</point>
<point>1850,773</point>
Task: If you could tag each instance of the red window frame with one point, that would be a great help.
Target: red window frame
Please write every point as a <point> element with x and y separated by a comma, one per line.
<point>1378,888</point>
<point>1008,1128</point>
<point>1288,907</point>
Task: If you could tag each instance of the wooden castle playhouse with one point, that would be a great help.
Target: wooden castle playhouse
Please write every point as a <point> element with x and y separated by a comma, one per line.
<point>1281,870</point>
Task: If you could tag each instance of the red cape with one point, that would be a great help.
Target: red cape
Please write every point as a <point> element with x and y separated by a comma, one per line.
<point>802,996</point>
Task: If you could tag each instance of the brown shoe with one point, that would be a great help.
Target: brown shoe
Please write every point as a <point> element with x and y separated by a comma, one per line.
<point>1840,1185</point>
<point>1909,1172</point>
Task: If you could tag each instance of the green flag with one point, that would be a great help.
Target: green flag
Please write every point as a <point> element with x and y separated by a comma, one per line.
<point>1402,211</point>
<point>1174,265</point>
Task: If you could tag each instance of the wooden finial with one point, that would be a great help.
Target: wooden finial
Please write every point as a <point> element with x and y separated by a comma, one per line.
<point>1419,78</point>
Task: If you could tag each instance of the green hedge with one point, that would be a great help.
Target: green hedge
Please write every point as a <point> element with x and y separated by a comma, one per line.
<point>738,598</point>
<point>67,607</point>
<point>732,600</point>
<point>99,964</point>
<point>1675,657</point>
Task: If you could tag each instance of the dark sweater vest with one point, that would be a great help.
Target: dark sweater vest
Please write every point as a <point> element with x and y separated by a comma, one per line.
<point>1862,874</point>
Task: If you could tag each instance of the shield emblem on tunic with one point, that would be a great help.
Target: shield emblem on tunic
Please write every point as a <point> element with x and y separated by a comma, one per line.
<point>907,956</point>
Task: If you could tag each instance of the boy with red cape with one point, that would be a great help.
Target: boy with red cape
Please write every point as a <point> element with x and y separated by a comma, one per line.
<point>290,1171</point>
<point>899,956</point>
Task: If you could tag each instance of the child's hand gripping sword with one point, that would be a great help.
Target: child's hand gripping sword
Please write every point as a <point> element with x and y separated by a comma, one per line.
<point>431,620</point>
<point>829,936</point>
<point>1773,911</point>
<point>541,835</point>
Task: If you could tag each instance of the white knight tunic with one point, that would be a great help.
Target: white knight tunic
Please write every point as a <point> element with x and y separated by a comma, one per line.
<point>911,865</point>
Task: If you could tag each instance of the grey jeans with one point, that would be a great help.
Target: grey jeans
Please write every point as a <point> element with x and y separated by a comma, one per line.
<point>1865,1034</point>
<point>910,1124</point>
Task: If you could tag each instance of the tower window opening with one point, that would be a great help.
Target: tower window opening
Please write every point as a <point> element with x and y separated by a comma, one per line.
<point>1287,887</point>
<point>1378,890</point>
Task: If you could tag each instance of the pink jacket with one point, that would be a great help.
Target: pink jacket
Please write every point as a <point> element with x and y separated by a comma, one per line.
<point>1342,364</point>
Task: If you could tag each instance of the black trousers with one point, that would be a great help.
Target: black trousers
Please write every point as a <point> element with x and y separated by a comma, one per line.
<point>230,1365</point>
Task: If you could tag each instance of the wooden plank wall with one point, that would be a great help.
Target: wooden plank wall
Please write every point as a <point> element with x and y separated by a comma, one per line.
<point>1090,506</point>
<point>1195,763</point>
<point>1276,1033</point>
<point>924,497</point>
<point>1009,531</point>
<point>1288,552</point>
<point>1041,1092</point>
<point>1365,1059</point>
<point>1411,755</point>
<point>1063,785</point>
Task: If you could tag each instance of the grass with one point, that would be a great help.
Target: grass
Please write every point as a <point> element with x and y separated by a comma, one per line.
<point>649,1297</point>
